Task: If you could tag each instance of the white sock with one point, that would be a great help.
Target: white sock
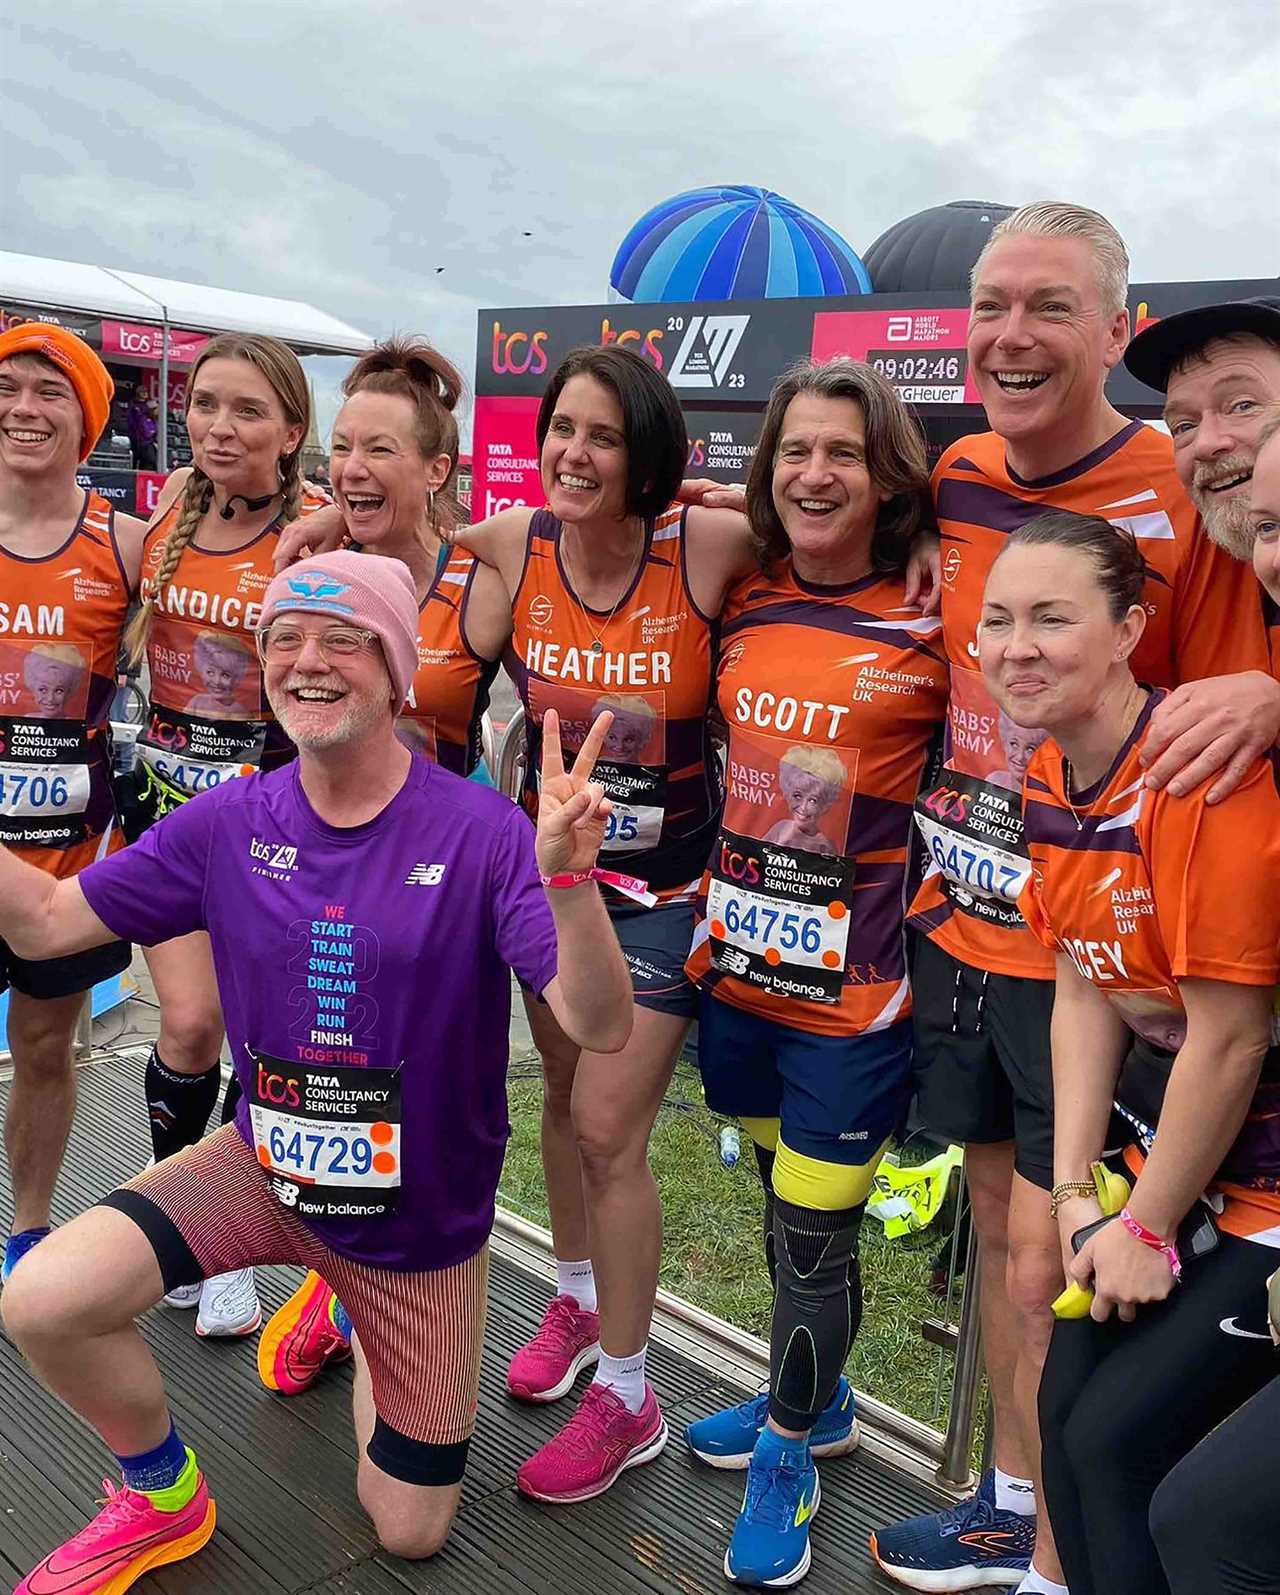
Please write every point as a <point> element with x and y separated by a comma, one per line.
<point>624,1376</point>
<point>1015,1495</point>
<point>579,1281</point>
<point>1037,1584</point>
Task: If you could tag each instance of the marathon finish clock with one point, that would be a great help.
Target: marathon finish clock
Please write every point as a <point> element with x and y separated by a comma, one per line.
<point>921,352</point>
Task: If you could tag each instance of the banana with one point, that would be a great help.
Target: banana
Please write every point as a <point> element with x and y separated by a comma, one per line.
<point>1113,1194</point>
<point>1074,1302</point>
<point>1113,1189</point>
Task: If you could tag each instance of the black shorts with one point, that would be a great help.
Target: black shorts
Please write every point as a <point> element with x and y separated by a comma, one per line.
<point>47,978</point>
<point>655,943</point>
<point>836,1098</point>
<point>984,1071</point>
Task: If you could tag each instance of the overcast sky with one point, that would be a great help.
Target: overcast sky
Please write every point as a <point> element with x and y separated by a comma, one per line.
<point>341,153</point>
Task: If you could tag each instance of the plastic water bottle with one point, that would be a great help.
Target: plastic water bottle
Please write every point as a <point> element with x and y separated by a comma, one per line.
<point>730,1146</point>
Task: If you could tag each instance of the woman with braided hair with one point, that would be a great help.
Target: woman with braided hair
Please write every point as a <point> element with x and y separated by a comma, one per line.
<point>206,562</point>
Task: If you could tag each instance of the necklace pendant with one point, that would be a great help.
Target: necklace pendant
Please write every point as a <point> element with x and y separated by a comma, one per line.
<point>597,647</point>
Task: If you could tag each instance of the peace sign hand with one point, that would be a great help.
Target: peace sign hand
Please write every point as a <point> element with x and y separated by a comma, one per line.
<point>572,809</point>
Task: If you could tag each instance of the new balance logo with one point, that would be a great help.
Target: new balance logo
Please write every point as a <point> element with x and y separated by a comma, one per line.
<point>425,875</point>
<point>706,353</point>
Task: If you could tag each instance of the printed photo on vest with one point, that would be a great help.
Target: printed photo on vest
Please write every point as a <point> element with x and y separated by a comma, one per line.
<point>780,892</point>
<point>210,674</point>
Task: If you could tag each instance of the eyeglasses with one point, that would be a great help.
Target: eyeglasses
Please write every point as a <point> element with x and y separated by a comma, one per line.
<point>282,641</point>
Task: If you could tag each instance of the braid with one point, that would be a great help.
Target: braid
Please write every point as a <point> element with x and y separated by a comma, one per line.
<point>196,499</point>
<point>291,486</point>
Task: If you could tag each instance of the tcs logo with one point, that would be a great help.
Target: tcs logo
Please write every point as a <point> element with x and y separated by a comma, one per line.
<point>517,353</point>
<point>648,341</point>
<point>697,451</point>
<point>741,867</point>
<point>280,1089</point>
<point>948,804</point>
<point>165,734</point>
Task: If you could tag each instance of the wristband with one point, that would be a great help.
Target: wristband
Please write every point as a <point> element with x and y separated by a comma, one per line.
<point>628,885</point>
<point>1167,1249</point>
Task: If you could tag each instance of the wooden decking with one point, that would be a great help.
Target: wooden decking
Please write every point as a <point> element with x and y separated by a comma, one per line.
<point>283,1471</point>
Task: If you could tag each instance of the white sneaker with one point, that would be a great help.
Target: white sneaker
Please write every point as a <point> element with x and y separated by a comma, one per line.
<point>229,1305</point>
<point>185,1295</point>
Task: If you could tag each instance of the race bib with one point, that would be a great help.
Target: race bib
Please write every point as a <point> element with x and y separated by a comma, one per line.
<point>638,802</point>
<point>194,755</point>
<point>43,791</point>
<point>189,775</point>
<point>45,782</point>
<point>632,763</point>
<point>328,1137</point>
<point>778,918</point>
<point>971,817</point>
<point>781,881</point>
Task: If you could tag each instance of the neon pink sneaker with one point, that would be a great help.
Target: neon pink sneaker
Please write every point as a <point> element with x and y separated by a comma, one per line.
<point>568,1340</point>
<point>128,1538</point>
<point>300,1338</point>
<point>599,1442</point>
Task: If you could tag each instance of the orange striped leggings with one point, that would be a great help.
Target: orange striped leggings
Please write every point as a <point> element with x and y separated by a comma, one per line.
<point>210,1209</point>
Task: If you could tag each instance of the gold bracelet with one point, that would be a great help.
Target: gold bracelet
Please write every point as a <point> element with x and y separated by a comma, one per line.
<point>1068,1188</point>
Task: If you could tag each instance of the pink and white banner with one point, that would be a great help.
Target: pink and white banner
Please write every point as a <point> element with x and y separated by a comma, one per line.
<point>504,456</point>
<point>137,342</point>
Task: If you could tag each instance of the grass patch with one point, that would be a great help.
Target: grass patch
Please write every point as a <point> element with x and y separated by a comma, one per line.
<point>712,1253</point>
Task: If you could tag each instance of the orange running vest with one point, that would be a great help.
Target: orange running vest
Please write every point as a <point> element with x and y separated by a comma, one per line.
<point>1141,891</point>
<point>1203,619</point>
<point>651,662</point>
<point>60,623</point>
<point>208,719</point>
<point>450,689</point>
<point>833,697</point>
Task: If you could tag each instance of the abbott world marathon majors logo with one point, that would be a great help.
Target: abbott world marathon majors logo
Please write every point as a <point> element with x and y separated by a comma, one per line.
<point>706,353</point>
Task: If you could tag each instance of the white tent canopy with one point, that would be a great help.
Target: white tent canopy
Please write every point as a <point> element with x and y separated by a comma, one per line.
<point>130,296</point>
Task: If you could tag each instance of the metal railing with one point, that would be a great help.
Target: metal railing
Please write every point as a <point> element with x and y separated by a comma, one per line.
<point>946,1452</point>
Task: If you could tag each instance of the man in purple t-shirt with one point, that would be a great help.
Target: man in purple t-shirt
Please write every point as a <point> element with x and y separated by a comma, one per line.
<point>364,908</point>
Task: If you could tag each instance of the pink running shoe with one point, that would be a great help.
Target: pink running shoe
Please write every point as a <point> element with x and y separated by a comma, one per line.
<point>300,1338</point>
<point>599,1442</point>
<point>568,1340</point>
<point>128,1538</point>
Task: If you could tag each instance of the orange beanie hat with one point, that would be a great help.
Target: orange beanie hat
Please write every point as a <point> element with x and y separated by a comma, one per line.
<point>86,373</point>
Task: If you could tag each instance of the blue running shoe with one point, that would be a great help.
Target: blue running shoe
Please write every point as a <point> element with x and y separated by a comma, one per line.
<point>769,1547</point>
<point>972,1545</point>
<point>727,1439</point>
<point>17,1246</point>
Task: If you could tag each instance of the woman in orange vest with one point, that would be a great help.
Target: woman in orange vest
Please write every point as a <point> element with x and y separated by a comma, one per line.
<point>1164,916</point>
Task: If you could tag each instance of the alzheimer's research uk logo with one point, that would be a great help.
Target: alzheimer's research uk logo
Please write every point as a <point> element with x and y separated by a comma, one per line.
<point>706,352</point>
<point>315,590</point>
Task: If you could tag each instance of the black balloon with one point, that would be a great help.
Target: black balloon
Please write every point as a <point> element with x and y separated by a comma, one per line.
<point>933,250</point>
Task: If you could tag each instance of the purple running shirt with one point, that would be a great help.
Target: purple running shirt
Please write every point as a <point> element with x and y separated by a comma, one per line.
<point>384,947</point>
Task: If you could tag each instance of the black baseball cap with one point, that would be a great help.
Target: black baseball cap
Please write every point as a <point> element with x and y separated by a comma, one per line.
<point>1158,348</point>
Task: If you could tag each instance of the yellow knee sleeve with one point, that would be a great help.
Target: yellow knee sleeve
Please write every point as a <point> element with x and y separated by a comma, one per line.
<point>764,1132</point>
<point>825,1187</point>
